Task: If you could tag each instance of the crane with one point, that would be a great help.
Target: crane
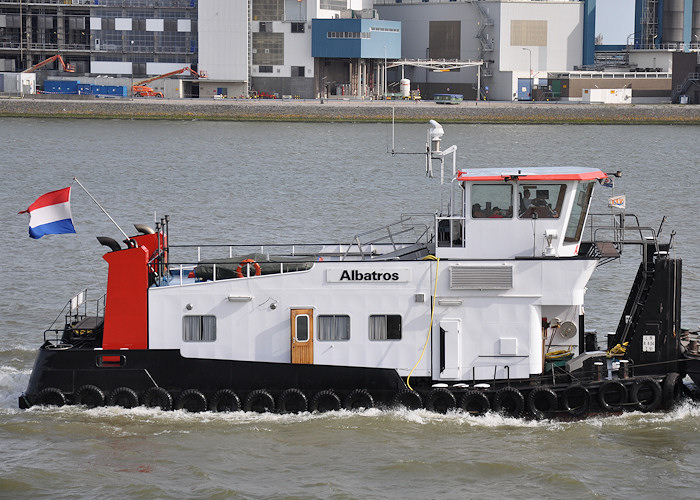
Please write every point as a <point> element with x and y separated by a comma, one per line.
<point>141,90</point>
<point>66,66</point>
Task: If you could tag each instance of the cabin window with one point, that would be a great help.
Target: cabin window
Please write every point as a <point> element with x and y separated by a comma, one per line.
<point>385,327</point>
<point>302,329</point>
<point>578,212</point>
<point>199,328</point>
<point>492,201</point>
<point>541,201</point>
<point>333,327</point>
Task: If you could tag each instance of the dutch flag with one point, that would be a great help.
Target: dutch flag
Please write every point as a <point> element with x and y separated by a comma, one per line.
<point>50,214</point>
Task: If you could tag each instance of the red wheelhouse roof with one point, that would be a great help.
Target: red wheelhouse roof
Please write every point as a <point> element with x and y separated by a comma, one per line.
<point>531,174</point>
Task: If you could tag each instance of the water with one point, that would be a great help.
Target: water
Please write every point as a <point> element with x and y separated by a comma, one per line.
<point>261,183</point>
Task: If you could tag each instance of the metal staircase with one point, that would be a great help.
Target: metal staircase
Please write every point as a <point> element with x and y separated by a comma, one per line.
<point>486,43</point>
<point>690,80</point>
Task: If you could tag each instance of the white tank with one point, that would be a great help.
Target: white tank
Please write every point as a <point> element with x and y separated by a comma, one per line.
<point>405,87</point>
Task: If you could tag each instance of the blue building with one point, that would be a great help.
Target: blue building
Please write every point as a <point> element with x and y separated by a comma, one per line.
<point>351,53</point>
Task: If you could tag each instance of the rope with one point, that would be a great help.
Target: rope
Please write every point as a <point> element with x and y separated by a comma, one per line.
<point>432,313</point>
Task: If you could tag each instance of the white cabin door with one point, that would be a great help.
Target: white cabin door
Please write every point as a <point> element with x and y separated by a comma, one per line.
<point>302,327</point>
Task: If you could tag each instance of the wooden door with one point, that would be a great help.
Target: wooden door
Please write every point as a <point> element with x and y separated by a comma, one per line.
<point>302,326</point>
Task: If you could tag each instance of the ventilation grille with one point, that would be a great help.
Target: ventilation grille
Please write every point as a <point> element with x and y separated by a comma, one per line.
<point>481,278</point>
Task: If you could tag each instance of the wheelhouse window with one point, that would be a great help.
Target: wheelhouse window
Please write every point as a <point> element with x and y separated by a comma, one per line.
<point>578,212</point>
<point>199,328</point>
<point>333,327</point>
<point>542,201</point>
<point>385,327</point>
<point>492,201</point>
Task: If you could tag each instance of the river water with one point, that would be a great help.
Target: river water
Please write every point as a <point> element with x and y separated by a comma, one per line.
<point>262,183</point>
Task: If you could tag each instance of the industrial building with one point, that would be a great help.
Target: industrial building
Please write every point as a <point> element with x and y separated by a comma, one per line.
<point>482,49</point>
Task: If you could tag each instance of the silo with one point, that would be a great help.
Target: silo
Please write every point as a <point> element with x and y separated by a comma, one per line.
<point>673,21</point>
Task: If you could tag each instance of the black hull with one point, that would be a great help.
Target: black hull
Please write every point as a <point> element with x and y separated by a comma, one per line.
<point>258,386</point>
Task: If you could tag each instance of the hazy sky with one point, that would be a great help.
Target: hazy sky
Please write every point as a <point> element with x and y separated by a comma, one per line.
<point>615,20</point>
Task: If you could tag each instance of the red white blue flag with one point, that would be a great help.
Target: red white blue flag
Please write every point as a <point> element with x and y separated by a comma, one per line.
<point>50,214</point>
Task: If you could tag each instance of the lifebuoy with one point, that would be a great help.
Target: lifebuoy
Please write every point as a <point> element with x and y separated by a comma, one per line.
<point>124,397</point>
<point>191,400</point>
<point>224,400</point>
<point>671,390</point>
<point>50,396</point>
<point>541,402</point>
<point>408,399</point>
<point>157,397</point>
<point>612,396</point>
<point>246,262</point>
<point>646,394</point>
<point>440,400</point>
<point>259,401</point>
<point>324,401</point>
<point>292,400</point>
<point>474,403</point>
<point>576,400</point>
<point>509,401</point>
<point>90,396</point>
<point>359,399</point>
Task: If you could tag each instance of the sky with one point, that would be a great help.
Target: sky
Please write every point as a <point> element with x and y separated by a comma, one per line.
<point>614,20</point>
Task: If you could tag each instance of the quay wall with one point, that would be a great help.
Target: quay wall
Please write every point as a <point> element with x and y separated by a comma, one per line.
<point>350,111</point>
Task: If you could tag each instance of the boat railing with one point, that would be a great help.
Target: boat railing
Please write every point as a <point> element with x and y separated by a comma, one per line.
<point>364,243</point>
<point>75,311</point>
<point>617,230</point>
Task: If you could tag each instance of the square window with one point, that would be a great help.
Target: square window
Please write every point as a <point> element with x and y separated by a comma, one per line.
<point>333,327</point>
<point>199,328</point>
<point>385,327</point>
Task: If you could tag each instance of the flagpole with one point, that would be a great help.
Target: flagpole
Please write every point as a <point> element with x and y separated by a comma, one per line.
<point>105,211</point>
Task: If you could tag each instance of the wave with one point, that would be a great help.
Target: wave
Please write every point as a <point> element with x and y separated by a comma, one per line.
<point>181,421</point>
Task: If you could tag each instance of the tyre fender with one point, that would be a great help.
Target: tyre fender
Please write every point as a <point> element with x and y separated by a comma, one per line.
<point>576,400</point>
<point>324,401</point>
<point>612,396</point>
<point>440,400</point>
<point>50,396</point>
<point>541,402</point>
<point>157,397</point>
<point>224,400</point>
<point>646,394</point>
<point>474,402</point>
<point>259,401</point>
<point>509,401</point>
<point>292,400</point>
<point>191,400</point>
<point>359,399</point>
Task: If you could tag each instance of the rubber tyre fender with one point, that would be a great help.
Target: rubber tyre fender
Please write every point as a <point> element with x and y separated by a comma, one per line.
<point>474,403</point>
<point>406,398</point>
<point>89,395</point>
<point>224,400</point>
<point>671,390</point>
<point>50,396</point>
<point>326,400</point>
<point>124,397</point>
<point>615,388</point>
<point>440,400</point>
<point>259,401</point>
<point>509,401</point>
<point>541,402</point>
<point>191,400</point>
<point>359,399</point>
<point>576,400</point>
<point>292,400</point>
<point>157,397</point>
<point>649,401</point>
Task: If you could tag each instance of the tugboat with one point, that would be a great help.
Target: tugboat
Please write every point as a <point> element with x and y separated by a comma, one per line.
<point>477,307</point>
